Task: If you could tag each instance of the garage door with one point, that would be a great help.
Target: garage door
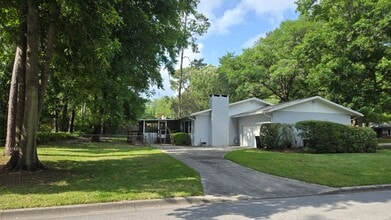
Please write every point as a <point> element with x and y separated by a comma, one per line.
<point>248,134</point>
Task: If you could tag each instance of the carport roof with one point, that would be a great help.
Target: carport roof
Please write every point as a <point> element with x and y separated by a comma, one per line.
<point>272,108</point>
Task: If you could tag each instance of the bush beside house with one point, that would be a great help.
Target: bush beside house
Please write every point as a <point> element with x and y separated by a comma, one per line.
<point>319,137</point>
<point>180,138</point>
<point>277,136</point>
<point>329,137</point>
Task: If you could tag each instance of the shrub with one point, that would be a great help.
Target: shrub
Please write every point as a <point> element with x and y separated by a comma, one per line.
<point>329,137</point>
<point>45,137</point>
<point>180,138</point>
<point>268,136</point>
<point>361,140</point>
<point>276,136</point>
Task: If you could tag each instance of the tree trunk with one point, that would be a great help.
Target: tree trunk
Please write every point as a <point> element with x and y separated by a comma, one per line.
<point>55,121</point>
<point>17,71</point>
<point>46,71</point>
<point>30,121</point>
<point>96,134</point>
<point>12,102</point>
<point>71,121</point>
<point>25,155</point>
<point>64,117</point>
<point>180,84</point>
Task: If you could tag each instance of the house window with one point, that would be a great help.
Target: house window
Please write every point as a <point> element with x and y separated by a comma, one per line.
<point>389,132</point>
<point>151,127</point>
<point>186,126</point>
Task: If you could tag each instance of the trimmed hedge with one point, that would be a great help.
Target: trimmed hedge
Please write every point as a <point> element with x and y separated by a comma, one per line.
<point>45,137</point>
<point>180,138</point>
<point>277,136</point>
<point>329,137</point>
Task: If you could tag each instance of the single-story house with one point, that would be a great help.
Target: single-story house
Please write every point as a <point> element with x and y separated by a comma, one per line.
<point>238,123</point>
<point>382,130</point>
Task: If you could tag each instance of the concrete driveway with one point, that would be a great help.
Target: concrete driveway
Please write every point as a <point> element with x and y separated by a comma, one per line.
<point>222,177</point>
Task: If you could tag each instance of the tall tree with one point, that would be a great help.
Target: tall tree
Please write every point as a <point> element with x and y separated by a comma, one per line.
<point>205,82</point>
<point>16,85</point>
<point>348,56</point>
<point>270,69</point>
<point>104,46</point>
<point>193,24</point>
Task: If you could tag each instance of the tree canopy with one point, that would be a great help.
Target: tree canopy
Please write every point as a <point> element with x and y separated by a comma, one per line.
<point>339,50</point>
<point>94,57</point>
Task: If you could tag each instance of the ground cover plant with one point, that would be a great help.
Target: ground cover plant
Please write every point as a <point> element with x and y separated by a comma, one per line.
<point>336,170</point>
<point>86,172</point>
<point>384,140</point>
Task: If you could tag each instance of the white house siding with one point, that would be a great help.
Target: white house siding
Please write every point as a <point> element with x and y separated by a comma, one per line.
<point>249,132</point>
<point>219,120</point>
<point>201,130</point>
<point>249,128</point>
<point>234,124</point>
<point>245,107</point>
<point>315,106</point>
<point>291,117</point>
<point>233,132</point>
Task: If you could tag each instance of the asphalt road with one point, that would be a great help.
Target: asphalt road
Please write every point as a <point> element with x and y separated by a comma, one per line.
<point>221,177</point>
<point>364,205</point>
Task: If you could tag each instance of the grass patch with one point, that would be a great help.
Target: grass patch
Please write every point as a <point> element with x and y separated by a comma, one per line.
<point>384,140</point>
<point>334,170</point>
<point>97,172</point>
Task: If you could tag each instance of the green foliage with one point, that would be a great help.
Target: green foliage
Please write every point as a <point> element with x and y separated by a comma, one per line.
<point>158,108</point>
<point>271,63</point>
<point>46,137</point>
<point>106,56</point>
<point>277,136</point>
<point>268,136</point>
<point>337,50</point>
<point>348,54</point>
<point>361,140</point>
<point>180,138</point>
<point>329,137</point>
<point>199,82</point>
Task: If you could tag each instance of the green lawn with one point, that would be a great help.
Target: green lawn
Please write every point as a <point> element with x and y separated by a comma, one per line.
<point>90,173</point>
<point>384,140</point>
<point>334,170</point>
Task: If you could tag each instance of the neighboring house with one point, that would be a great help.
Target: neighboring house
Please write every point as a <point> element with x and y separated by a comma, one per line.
<point>238,123</point>
<point>382,130</point>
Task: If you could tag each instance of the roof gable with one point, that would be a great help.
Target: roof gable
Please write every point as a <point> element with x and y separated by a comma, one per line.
<point>239,107</point>
<point>316,103</point>
<point>251,100</point>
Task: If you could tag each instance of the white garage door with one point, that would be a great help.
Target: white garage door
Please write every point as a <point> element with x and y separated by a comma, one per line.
<point>248,134</point>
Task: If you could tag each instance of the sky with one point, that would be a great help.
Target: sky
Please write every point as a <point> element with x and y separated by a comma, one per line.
<point>235,25</point>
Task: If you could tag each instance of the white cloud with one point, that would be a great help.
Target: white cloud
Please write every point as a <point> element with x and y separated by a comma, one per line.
<point>237,15</point>
<point>251,42</point>
<point>230,18</point>
<point>207,7</point>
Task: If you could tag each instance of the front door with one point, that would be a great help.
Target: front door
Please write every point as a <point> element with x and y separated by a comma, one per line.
<point>162,132</point>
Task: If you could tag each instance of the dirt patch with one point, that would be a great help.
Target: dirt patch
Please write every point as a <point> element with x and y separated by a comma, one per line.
<point>27,178</point>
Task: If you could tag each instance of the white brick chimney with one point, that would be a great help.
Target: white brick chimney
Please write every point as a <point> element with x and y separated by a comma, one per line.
<point>219,120</point>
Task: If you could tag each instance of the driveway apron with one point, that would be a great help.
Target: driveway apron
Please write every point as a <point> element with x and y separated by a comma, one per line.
<point>221,177</point>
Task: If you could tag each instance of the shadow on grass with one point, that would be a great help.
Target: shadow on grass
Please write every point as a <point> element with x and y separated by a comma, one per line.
<point>130,175</point>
